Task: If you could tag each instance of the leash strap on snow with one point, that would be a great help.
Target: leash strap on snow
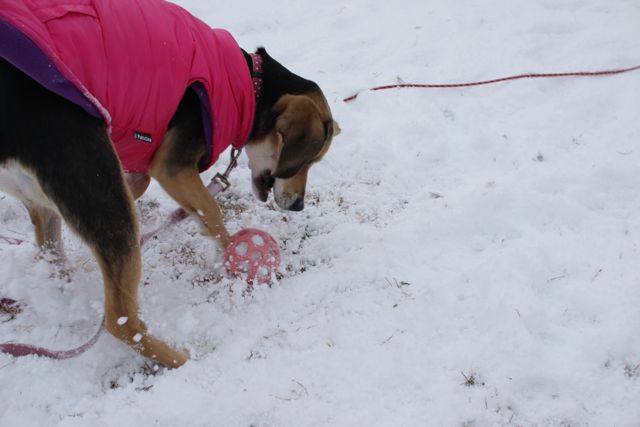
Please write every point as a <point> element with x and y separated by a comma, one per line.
<point>12,308</point>
<point>19,350</point>
<point>11,240</point>
<point>501,79</point>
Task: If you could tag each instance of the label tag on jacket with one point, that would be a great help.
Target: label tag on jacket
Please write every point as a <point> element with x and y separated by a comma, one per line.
<point>144,137</point>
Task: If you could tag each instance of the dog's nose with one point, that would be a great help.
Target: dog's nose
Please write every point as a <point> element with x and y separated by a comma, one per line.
<point>298,205</point>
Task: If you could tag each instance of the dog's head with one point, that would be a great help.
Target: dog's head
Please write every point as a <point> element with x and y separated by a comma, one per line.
<point>293,130</point>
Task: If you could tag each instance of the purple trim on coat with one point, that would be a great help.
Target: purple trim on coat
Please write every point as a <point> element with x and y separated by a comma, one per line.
<point>20,51</point>
<point>200,90</point>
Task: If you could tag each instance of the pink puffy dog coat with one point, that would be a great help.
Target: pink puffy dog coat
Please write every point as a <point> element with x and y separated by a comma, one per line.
<point>130,62</point>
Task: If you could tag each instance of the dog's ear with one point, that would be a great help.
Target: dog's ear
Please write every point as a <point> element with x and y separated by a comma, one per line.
<point>301,132</point>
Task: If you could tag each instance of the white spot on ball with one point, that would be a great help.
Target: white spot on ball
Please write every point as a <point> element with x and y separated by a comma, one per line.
<point>257,240</point>
<point>244,267</point>
<point>242,248</point>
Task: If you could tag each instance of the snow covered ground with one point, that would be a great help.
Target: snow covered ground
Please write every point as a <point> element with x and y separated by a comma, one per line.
<point>467,257</point>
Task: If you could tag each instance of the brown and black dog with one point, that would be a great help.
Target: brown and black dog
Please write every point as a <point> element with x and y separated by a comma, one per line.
<point>60,162</point>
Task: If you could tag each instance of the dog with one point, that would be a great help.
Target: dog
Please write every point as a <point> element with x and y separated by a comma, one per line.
<point>59,155</point>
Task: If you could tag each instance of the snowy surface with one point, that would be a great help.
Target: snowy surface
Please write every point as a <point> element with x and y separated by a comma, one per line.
<point>466,257</point>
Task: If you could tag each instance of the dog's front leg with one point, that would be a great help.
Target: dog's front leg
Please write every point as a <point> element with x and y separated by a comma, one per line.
<point>175,167</point>
<point>186,188</point>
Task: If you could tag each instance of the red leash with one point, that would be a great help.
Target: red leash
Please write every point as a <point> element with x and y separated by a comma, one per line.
<point>11,240</point>
<point>18,350</point>
<point>218,184</point>
<point>502,79</point>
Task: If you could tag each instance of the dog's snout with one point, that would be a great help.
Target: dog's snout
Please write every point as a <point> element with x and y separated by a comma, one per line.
<point>298,205</point>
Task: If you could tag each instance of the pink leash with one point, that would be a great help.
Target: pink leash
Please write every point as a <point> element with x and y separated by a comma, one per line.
<point>11,240</point>
<point>19,350</point>
<point>502,79</point>
<point>218,184</point>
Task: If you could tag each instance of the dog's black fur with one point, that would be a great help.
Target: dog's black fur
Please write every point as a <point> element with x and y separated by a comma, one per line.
<point>279,81</point>
<point>32,120</point>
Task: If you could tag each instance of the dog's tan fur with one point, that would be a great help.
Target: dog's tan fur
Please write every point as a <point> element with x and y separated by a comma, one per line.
<point>121,281</point>
<point>185,187</point>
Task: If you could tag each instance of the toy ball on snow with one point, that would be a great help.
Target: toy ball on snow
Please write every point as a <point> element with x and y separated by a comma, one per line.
<point>253,254</point>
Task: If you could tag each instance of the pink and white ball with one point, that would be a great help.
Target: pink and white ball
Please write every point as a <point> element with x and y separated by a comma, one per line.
<point>252,254</point>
